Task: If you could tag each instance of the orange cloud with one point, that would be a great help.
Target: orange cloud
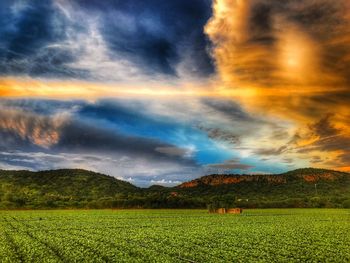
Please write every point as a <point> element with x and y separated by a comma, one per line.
<point>263,44</point>
<point>292,58</point>
<point>39,130</point>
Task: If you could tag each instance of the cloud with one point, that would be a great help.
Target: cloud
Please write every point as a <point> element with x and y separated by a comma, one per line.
<point>38,130</point>
<point>316,159</point>
<point>165,182</point>
<point>67,131</point>
<point>229,109</point>
<point>76,136</point>
<point>62,136</point>
<point>288,60</point>
<point>227,121</point>
<point>175,151</point>
<point>31,42</point>
<point>324,136</point>
<point>222,135</point>
<point>176,140</point>
<point>155,33</point>
<point>116,42</point>
<point>276,82</point>
<point>262,43</point>
<point>230,165</point>
<point>44,107</point>
<point>271,151</point>
<point>322,142</point>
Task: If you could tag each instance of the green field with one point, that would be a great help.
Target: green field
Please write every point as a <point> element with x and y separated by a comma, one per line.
<point>279,235</point>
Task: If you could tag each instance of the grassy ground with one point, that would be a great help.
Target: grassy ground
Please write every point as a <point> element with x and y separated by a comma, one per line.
<point>278,235</point>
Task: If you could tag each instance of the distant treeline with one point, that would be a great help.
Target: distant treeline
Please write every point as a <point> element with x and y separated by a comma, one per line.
<point>153,201</point>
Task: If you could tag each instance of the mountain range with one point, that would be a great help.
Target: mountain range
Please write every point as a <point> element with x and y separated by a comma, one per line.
<point>76,188</point>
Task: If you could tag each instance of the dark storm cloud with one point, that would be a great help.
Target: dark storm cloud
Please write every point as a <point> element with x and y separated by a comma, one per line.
<point>31,38</point>
<point>156,33</point>
<point>44,38</point>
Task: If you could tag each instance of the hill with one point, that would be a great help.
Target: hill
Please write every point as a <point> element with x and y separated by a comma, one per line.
<point>310,175</point>
<point>73,188</point>
<point>65,187</point>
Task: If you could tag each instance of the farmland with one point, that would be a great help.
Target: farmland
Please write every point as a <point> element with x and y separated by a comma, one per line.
<point>279,235</point>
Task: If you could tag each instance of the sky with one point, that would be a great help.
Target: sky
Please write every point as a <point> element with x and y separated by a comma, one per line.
<point>161,92</point>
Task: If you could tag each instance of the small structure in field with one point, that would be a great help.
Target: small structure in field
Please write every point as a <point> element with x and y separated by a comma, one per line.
<point>221,211</point>
<point>229,211</point>
<point>234,211</point>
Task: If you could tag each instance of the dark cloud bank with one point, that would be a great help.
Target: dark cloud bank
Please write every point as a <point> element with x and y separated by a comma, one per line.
<point>155,35</point>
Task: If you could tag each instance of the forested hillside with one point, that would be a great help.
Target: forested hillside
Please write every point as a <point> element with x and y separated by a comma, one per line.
<point>306,187</point>
<point>73,188</point>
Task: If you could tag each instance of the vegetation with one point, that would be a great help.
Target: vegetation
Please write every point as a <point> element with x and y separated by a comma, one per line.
<point>85,189</point>
<point>59,188</point>
<point>312,188</point>
<point>297,235</point>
